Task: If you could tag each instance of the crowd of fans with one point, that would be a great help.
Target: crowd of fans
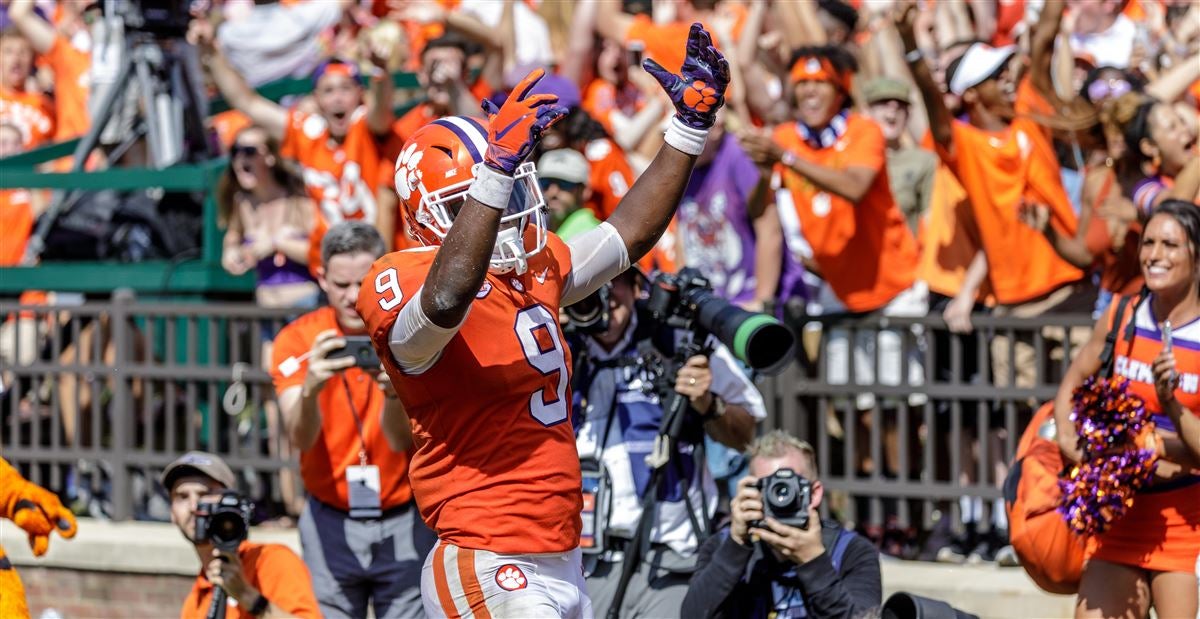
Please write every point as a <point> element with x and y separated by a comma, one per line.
<point>874,157</point>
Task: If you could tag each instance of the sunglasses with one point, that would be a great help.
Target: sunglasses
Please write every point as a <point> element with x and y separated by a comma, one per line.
<point>1100,90</point>
<point>245,151</point>
<point>545,184</point>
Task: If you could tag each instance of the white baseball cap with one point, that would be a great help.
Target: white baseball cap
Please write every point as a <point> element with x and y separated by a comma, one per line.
<point>980,62</point>
<point>564,164</point>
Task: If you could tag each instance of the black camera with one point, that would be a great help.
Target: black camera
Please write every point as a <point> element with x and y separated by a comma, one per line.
<point>224,522</point>
<point>591,315</point>
<point>786,497</point>
<point>685,300</point>
<point>162,18</point>
<point>358,347</point>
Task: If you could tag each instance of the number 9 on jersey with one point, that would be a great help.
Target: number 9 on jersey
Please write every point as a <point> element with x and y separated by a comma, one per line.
<point>546,355</point>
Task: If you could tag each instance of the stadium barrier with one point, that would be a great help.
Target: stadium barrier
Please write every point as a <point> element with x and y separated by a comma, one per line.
<point>125,385</point>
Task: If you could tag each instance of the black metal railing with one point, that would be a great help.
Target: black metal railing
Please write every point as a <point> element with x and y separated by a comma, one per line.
<point>124,386</point>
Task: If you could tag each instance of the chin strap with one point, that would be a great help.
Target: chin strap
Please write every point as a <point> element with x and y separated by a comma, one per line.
<point>510,248</point>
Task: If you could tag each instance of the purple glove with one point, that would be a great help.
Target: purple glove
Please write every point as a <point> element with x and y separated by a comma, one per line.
<point>700,89</point>
<point>515,127</point>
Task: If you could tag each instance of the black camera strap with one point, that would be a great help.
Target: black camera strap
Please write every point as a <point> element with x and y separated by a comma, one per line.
<point>358,423</point>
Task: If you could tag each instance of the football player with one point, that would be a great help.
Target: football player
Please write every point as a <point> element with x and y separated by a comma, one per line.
<point>467,328</point>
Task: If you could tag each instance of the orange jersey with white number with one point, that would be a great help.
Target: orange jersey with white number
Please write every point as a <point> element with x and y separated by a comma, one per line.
<point>31,113</point>
<point>610,177</point>
<point>340,177</point>
<point>494,465</point>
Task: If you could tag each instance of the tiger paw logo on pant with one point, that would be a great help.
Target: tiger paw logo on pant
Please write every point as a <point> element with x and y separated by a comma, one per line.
<point>510,577</point>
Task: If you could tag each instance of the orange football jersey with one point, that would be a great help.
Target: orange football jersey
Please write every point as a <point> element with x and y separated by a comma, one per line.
<point>32,113</point>
<point>866,252</point>
<point>494,465</point>
<point>340,177</point>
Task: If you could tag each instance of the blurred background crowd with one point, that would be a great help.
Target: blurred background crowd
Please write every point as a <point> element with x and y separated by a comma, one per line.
<point>1025,142</point>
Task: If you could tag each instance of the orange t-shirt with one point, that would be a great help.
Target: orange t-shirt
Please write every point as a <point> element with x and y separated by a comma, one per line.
<point>340,177</point>
<point>228,124</point>
<point>999,171</point>
<point>323,466</point>
<point>72,80</point>
<point>275,571</point>
<point>31,112</point>
<point>865,251</point>
<point>949,237</point>
<point>495,466</point>
<point>666,43</point>
<point>16,211</point>
<point>1120,270</point>
<point>610,177</point>
<point>601,99</point>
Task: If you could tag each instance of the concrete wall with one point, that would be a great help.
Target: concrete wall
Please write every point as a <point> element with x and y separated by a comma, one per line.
<point>144,570</point>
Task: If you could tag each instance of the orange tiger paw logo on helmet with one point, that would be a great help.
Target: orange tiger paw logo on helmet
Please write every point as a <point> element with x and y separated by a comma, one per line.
<point>700,96</point>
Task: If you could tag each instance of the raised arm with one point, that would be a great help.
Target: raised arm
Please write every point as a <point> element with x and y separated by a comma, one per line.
<point>931,95</point>
<point>697,93</point>
<point>1041,52</point>
<point>612,22</point>
<point>38,31</point>
<point>462,262</point>
<point>1172,83</point>
<point>263,112</point>
<point>380,89</point>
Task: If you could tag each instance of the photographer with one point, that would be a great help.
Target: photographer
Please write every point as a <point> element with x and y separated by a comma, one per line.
<point>622,410</point>
<point>360,533</point>
<point>258,580</point>
<point>816,569</point>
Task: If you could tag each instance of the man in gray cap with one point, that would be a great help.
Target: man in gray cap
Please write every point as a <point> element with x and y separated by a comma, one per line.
<point>910,169</point>
<point>563,174</point>
<point>259,580</point>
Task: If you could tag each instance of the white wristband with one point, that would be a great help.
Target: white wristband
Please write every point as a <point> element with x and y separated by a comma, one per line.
<point>684,138</point>
<point>490,187</point>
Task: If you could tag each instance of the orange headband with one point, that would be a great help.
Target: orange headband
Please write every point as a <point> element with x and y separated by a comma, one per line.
<point>335,67</point>
<point>816,69</point>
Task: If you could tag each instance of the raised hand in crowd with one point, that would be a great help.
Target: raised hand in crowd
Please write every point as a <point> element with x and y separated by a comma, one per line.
<point>1036,216</point>
<point>763,150</point>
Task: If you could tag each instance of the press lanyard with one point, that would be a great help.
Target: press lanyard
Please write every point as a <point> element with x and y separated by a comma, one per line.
<point>362,441</point>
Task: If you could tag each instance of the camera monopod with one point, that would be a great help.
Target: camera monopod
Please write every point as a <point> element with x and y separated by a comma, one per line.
<point>675,406</point>
<point>216,608</point>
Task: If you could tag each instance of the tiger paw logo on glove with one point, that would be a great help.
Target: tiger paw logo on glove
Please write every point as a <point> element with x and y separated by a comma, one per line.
<point>700,96</point>
<point>511,578</point>
<point>699,89</point>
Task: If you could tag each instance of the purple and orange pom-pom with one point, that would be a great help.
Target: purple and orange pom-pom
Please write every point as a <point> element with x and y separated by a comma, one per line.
<point>1113,425</point>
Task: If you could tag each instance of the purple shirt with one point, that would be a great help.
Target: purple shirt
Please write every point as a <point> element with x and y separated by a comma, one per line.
<point>714,223</point>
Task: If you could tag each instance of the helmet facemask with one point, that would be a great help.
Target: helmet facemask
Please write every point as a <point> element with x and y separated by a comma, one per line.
<point>526,204</point>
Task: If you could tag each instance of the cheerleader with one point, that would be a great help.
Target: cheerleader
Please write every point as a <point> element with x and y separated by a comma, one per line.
<point>1148,557</point>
